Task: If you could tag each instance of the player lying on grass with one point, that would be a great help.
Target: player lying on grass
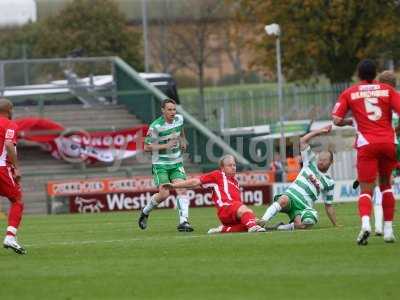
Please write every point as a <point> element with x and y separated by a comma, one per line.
<point>298,199</point>
<point>233,214</point>
<point>389,78</point>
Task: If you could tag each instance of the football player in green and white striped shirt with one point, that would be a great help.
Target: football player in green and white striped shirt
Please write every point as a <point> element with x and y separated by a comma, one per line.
<point>166,140</point>
<point>312,182</point>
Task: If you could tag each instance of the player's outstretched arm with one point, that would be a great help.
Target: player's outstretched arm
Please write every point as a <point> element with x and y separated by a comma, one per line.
<point>189,183</point>
<point>331,213</point>
<point>306,138</point>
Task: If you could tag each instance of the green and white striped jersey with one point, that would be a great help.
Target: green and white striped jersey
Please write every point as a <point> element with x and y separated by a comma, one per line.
<point>160,132</point>
<point>311,183</point>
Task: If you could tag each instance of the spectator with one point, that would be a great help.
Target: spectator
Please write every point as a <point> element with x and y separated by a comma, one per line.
<point>276,166</point>
<point>293,168</point>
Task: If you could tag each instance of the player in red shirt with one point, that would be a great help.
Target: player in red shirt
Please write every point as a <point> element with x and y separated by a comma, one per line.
<point>371,104</point>
<point>233,214</point>
<point>10,175</point>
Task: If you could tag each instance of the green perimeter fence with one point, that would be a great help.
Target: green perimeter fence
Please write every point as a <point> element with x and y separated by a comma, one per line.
<point>258,105</point>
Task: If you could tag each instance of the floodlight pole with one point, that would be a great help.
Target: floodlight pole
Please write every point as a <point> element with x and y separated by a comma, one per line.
<point>274,29</point>
<point>145,36</point>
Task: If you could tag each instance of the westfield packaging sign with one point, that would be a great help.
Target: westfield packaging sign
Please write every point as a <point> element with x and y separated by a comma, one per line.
<point>102,195</point>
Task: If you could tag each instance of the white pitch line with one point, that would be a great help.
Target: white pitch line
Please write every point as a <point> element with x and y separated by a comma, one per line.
<point>69,243</point>
<point>88,242</point>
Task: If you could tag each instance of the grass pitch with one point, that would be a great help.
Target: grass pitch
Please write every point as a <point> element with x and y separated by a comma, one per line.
<point>106,256</point>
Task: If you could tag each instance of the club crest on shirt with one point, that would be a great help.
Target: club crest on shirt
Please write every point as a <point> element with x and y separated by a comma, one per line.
<point>314,182</point>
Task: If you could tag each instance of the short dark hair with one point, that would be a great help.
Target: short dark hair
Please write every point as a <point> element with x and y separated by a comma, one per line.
<point>165,101</point>
<point>366,69</point>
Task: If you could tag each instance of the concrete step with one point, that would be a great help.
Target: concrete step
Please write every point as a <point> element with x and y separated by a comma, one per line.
<point>39,167</point>
<point>82,116</point>
<point>102,116</point>
<point>110,110</point>
<point>70,107</point>
<point>100,123</point>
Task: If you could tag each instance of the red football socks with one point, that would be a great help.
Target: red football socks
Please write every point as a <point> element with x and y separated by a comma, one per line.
<point>365,204</point>
<point>248,219</point>
<point>388,205</point>
<point>15,215</point>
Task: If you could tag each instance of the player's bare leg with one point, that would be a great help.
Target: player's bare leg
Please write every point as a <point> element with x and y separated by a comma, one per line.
<point>156,199</point>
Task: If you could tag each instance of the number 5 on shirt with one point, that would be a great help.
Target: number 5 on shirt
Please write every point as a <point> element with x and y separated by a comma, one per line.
<point>374,112</point>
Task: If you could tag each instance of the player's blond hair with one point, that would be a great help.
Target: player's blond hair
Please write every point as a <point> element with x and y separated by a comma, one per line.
<point>388,77</point>
<point>221,161</point>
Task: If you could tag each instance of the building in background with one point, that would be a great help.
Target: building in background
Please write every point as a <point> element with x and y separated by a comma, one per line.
<point>226,58</point>
<point>17,12</point>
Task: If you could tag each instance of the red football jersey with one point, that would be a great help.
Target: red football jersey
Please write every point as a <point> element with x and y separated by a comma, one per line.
<point>225,188</point>
<point>371,105</point>
<point>8,131</point>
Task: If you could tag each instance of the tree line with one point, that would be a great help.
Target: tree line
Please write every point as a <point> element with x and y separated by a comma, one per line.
<point>82,27</point>
<point>321,37</point>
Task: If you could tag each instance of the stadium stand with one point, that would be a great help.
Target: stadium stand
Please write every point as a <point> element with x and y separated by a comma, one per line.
<point>38,166</point>
<point>125,102</point>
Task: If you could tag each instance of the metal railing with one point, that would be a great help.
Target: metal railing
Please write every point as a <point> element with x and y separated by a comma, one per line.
<point>259,106</point>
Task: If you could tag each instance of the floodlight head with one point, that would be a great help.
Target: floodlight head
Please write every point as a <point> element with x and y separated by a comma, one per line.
<point>273,29</point>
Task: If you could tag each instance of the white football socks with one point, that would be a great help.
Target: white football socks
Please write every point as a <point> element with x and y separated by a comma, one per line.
<point>388,235</point>
<point>272,210</point>
<point>150,206</point>
<point>289,226</point>
<point>388,227</point>
<point>183,208</point>
<point>378,210</point>
<point>365,225</point>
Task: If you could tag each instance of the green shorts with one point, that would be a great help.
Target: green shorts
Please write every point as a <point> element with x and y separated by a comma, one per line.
<point>167,173</point>
<point>308,216</point>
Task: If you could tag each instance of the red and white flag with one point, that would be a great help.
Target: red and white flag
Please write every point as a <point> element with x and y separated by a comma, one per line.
<point>80,145</point>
